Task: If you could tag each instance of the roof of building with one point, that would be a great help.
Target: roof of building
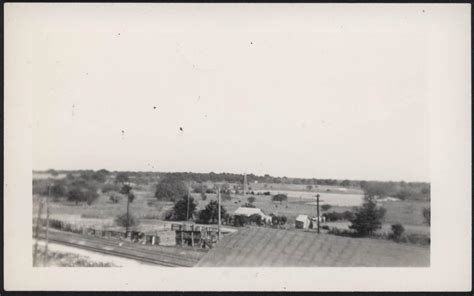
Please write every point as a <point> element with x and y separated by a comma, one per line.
<point>302,218</point>
<point>268,247</point>
<point>248,211</point>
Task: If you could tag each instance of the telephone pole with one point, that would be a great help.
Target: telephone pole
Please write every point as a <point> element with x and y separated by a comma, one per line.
<point>47,226</point>
<point>128,218</point>
<point>187,207</point>
<point>218,213</point>
<point>37,231</point>
<point>317,209</point>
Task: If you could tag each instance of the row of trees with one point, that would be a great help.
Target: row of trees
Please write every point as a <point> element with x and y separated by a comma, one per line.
<point>85,187</point>
<point>410,188</point>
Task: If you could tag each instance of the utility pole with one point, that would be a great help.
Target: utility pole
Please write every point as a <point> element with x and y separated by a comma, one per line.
<point>317,208</point>
<point>245,184</point>
<point>187,208</point>
<point>218,213</point>
<point>47,226</point>
<point>37,231</point>
<point>128,209</point>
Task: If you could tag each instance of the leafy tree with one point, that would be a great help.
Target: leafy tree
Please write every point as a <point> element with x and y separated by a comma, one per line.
<point>280,197</point>
<point>58,190</point>
<point>427,215</point>
<point>180,209</point>
<point>170,189</point>
<point>121,220</point>
<point>99,176</point>
<point>126,189</point>
<point>210,213</point>
<point>86,194</point>
<point>309,187</point>
<point>121,178</point>
<point>367,218</point>
<point>346,183</point>
<point>251,199</point>
<point>203,195</point>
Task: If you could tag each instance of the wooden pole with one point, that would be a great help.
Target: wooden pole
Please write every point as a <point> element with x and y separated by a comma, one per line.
<point>317,209</point>
<point>37,230</point>
<point>187,208</point>
<point>128,218</point>
<point>218,213</point>
<point>47,226</point>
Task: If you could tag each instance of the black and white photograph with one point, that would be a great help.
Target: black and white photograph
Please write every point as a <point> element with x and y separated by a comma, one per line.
<point>257,137</point>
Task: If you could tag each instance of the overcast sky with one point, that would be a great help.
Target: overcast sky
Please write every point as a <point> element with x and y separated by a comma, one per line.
<point>286,92</point>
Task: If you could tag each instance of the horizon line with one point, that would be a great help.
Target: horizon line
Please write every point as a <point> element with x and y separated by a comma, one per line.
<point>273,176</point>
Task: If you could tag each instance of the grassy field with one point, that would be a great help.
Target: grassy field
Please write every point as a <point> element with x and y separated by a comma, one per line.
<point>405,212</point>
<point>262,246</point>
<point>147,208</point>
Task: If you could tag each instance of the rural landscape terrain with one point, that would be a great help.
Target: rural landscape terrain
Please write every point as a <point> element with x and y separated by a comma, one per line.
<point>110,218</point>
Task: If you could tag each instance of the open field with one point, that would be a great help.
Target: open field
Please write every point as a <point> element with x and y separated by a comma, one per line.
<point>405,212</point>
<point>150,210</point>
<point>261,246</point>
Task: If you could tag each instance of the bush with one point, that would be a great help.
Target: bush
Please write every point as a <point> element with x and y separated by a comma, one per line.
<point>325,207</point>
<point>336,216</point>
<point>121,220</point>
<point>427,215</point>
<point>248,205</point>
<point>255,218</point>
<point>251,199</point>
<point>341,232</point>
<point>397,231</point>
<point>240,220</point>
<point>203,196</point>
<point>418,239</point>
<point>114,198</point>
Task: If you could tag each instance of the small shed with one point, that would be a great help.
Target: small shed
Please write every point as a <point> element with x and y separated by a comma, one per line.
<point>302,221</point>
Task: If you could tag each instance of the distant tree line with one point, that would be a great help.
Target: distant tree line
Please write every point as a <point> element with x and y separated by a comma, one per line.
<point>402,190</point>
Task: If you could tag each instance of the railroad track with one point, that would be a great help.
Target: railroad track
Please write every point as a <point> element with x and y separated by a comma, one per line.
<point>187,258</point>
